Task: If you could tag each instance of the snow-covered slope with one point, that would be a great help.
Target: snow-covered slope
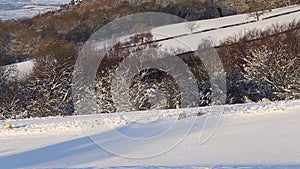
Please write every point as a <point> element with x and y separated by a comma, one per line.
<point>181,29</point>
<point>219,29</point>
<point>16,9</point>
<point>214,29</point>
<point>252,135</point>
<point>21,69</point>
<point>264,135</point>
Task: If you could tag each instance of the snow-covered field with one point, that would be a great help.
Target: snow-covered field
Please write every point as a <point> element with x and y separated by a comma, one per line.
<point>263,135</point>
<point>219,29</point>
<point>16,9</point>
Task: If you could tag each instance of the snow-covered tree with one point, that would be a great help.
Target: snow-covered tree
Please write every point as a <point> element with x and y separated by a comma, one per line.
<point>11,99</point>
<point>274,72</point>
<point>149,87</point>
<point>49,87</point>
<point>154,89</point>
<point>140,92</point>
<point>75,2</point>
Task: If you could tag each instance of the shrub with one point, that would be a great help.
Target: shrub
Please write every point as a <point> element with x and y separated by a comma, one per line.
<point>273,71</point>
<point>235,52</point>
<point>11,99</point>
<point>48,88</point>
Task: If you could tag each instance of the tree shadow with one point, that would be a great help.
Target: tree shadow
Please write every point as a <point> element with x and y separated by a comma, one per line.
<point>95,148</point>
<point>52,153</point>
<point>77,151</point>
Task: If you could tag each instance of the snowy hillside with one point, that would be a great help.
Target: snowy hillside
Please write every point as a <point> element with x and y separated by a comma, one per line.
<point>214,29</point>
<point>257,135</point>
<point>15,9</point>
<point>265,135</point>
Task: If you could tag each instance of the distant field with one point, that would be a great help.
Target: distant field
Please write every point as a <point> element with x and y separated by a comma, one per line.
<point>15,9</point>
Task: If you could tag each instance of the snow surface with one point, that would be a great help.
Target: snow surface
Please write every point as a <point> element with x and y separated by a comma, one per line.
<point>181,29</point>
<point>20,69</point>
<point>190,42</point>
<point>263,135</point>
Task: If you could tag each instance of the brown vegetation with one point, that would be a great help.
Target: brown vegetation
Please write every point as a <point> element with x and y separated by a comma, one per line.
<point>54,38</point>
<point>75,23</point>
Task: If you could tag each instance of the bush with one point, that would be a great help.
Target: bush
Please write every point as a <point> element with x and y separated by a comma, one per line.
<point>273,71</point>
<point>11,99</point>
<point>48,88</point>
<point>241,63</point>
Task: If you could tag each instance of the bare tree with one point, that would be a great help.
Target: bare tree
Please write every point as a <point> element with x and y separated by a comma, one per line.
<point>192,26</point>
